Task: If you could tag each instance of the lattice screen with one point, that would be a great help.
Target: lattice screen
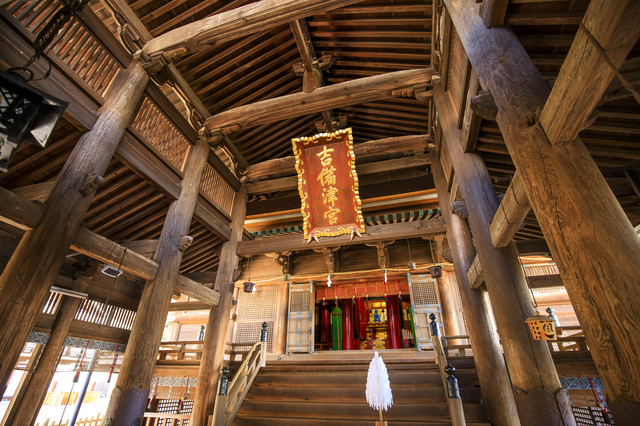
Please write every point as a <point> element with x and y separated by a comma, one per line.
<point>258,306</point>
<point>460,308</point>
<point>424,293</point>
<point>299,301</point>
<point>253,310</point>
<point>249,332</point>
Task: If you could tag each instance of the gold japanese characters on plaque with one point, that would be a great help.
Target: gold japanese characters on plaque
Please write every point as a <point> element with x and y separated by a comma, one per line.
<point>328,185</point>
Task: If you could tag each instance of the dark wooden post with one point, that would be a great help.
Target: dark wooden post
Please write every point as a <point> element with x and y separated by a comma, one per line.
<point>533,373</point>
<point>25,282</point>
<point>490,365</point>
<point>27,409</point>
<point>215,340</point>
<point>129,398</point>
<point>588,233</point>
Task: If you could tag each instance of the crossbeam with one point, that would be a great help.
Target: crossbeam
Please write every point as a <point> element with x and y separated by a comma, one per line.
<point>363,151</point>
<point>339,95</point>
<point>26,215</point>
<point>513,209</point>
<point>396,231</point>
<point>239,22</point>
<point>607,34</point>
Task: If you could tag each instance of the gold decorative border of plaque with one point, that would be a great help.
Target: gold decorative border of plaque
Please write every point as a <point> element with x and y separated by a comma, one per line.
<point>300,169</point>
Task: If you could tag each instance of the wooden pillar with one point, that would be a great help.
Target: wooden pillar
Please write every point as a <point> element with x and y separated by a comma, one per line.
<point>394,321</point>
<point>325,325</point>
<point>451,318</point>
<point>490,365</point>
<point>588,233</point>
<point>27,278</point>
<point>215,340</point>
<point>16,399</point>
<point>129,398</point>
<point>533,373</point>
<point>27,409</point>
<point>347,325</point>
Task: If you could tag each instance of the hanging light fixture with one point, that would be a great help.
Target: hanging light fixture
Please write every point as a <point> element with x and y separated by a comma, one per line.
<point>249,286</point>
<point>412,265</point>
<point>542,327</point>
<point>26,113</point>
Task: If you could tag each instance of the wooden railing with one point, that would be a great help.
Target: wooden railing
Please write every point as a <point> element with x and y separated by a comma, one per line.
<point>191,352</point>
<point>228,402</point>
<point>155,419</point>
<point>216,189</point>
<point>74,47</point>
<point>159,132</point>
<point>94,312</point>
<point>570,338</point>
<point>449,382</point>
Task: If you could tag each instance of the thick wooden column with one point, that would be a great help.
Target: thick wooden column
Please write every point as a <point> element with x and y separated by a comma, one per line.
<point>25,282</point>
<point>348,342</point>
<point>215,340</point>
<point>129,398</point>
<point>325,325</point>
<point>533,373</point>
<point>27,409</point>
<point>490,365</point>
<point>588,233</point>
<point>394,322</point>
<point>451,318</point>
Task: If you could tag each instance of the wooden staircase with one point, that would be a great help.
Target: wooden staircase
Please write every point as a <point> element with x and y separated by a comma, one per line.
<point>332,393</point>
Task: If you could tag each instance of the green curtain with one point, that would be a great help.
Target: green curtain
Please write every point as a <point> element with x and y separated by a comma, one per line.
<point>336,328</point>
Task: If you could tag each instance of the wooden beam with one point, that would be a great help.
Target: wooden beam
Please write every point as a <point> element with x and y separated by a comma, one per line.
<point>607,34</point>
<point>291,183</point>
<point>472,121</point>
<point>188,306</point>
<point>493,12</point>
<point>335,96</point>
<point>513,209</point>
<point>397,231</point>
<point>239,22</point>
<point>26,215</point>
<point>36,192</point>
<point>475,275</point>
<point>362,151</point>
<point>537,247</point>
<point>543,281</point>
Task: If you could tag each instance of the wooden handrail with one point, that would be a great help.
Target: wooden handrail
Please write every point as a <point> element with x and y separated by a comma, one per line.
<point>152,419</point>
<point>228,403</point>
<point>456,409</point>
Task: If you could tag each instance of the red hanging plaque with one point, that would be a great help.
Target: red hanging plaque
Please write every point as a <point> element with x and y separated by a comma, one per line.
<point>328,184</point>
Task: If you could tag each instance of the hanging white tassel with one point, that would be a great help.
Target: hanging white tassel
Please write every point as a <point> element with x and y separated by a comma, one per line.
<point>329,281</point>
<point>378,392</point>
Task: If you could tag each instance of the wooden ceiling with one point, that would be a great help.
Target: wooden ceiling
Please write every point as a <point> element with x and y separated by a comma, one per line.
<point>380,36</point>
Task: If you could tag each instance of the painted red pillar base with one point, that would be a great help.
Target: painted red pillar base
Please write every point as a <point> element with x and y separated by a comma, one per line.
<point>393,321</point>
<point>347,325</point>
<point>325,325</point>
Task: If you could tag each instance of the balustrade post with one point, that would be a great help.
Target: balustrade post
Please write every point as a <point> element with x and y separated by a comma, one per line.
<point>263,339</point>
<point>221,398</point>
<point>449,381</point>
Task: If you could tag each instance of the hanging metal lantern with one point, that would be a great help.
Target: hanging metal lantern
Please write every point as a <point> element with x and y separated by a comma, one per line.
<point>249,287</point>
<point>435,271</point>
<point>542,327</point>
<point>26,115</point>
